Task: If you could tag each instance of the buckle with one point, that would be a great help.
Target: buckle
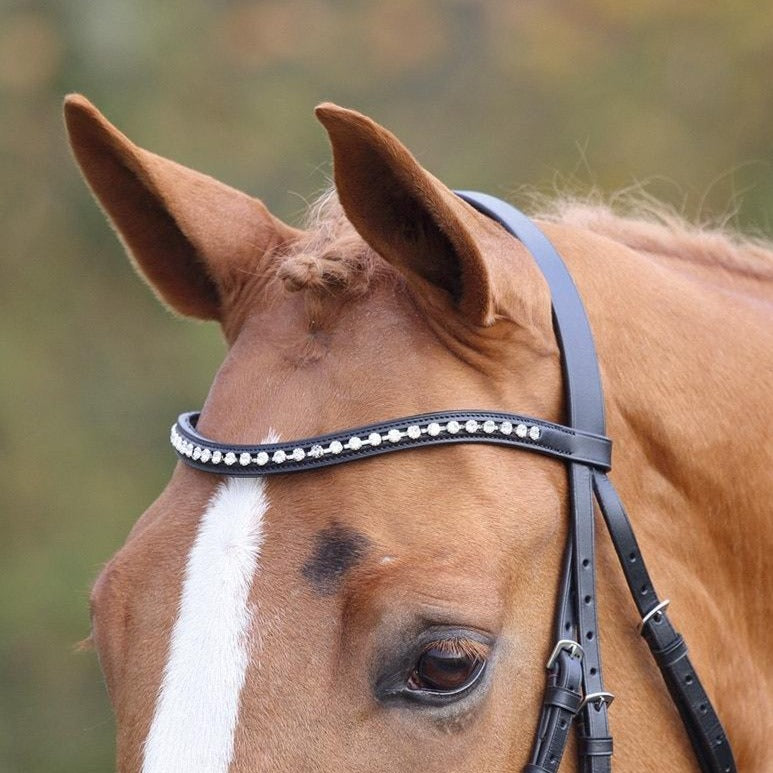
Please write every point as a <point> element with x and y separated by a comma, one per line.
<point>652,613</point>
<point>575,651</point>
<point>596,698</point>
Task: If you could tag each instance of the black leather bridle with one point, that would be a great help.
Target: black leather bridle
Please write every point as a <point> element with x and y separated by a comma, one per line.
<point>575,689</point>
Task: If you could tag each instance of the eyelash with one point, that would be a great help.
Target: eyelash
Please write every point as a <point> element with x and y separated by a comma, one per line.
<point>459,647</point>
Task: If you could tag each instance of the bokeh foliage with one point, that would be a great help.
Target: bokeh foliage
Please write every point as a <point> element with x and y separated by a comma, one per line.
<point>490,95</point>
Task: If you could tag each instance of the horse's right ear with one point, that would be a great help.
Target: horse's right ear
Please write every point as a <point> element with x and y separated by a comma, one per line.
<point>193,238</point>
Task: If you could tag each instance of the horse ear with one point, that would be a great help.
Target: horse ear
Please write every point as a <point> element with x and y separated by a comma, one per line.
<point>408,216</point>
<point>193,238</point>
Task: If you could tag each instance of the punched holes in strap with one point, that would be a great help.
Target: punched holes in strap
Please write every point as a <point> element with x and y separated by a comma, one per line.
<point>703,726</point>
<point>669,649</point>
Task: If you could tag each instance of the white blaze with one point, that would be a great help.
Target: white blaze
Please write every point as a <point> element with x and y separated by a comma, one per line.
<point>198,704</point>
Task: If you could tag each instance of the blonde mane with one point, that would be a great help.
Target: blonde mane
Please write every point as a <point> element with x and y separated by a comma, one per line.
<point>646,225</point>
<point>332,258</point>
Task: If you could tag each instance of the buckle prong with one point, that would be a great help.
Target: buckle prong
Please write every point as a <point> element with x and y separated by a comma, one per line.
<point>575,651</point>
<point>654,611</point>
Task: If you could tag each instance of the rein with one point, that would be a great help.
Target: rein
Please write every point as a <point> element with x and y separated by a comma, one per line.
<point>575,688</point>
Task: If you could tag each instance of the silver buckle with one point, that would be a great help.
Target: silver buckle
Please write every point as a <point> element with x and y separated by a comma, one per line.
<point>596,698</point>
<point>654,611</point>
<point>575,651</point>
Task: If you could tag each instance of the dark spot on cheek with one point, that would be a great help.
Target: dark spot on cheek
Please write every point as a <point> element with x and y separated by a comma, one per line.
<point>336,550</point>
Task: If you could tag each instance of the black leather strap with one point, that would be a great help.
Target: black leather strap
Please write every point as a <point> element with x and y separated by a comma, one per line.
<point>560,705</point>
<point>704,729</point>
<point>585,400</point>
<point>585,410</point>
<point>593,718</point>
<point>553,733</point>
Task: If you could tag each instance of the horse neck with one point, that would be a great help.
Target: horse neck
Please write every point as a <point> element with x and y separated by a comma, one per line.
<point>687,410</point>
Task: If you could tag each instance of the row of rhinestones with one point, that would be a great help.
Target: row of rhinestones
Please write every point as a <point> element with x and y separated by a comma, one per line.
<point>355,443</point>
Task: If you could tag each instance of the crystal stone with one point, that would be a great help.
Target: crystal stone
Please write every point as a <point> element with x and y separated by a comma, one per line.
<point>489,427</point>
<point>394,435</point>
<point>244,459</point>
<point>336,447</point>
<point>433,429</point>
<point>299,454</point>
<point>506,428</point>
<point>471,426</point>
<point>261,458</point>
<point>316,451</point>
<point>374,439</point>
<point>534,433</point>
<point>354,443</point>
<point>279,456</point>
<point>206,455</point>
<point>197,453</point>
<point>521,430</point>
<point>217,457</point>
<point>453,427</point>
<point>230,458</point>
<point>414,431</point>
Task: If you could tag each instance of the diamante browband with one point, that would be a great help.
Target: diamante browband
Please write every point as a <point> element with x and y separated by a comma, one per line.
<point>410,432</point>
<point>574,694</point>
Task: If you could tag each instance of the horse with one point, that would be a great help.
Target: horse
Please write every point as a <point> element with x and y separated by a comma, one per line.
<point>395,613</point>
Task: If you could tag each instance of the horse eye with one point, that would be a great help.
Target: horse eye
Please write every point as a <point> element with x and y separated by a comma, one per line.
<point>443,671</point>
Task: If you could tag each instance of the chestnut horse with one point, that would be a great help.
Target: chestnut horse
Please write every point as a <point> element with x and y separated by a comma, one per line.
<point>257,624</point>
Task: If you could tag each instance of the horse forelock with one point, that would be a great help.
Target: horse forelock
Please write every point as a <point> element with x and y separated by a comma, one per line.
<point>331,258</point>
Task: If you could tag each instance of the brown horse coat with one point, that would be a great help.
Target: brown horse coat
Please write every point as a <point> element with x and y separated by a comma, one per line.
<point>407,301</point>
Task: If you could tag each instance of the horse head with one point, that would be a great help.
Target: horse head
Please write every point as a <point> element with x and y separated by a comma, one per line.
<point>390,614</point>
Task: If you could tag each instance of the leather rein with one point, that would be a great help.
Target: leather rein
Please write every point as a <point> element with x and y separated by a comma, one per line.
<point>575,688</point>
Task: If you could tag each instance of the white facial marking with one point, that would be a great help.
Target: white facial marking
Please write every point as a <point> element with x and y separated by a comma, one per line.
<point>198,704</point>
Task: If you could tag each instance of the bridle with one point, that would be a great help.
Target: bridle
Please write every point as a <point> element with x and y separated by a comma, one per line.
<point>575,687</point>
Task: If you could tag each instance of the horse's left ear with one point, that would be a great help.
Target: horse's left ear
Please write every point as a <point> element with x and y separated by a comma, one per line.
<point>409,217</point>
<point>194,239</point>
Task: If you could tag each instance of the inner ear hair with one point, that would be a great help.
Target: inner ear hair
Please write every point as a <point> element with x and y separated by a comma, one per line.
<point>433,253</point>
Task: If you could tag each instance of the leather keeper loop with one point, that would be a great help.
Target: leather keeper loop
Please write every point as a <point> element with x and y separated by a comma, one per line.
<point>670,655</point>
<point>595,747</point>
<point>563,698</point>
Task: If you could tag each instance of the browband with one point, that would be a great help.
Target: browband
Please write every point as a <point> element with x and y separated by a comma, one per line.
<point>575,693</point>
<point>427,429</point>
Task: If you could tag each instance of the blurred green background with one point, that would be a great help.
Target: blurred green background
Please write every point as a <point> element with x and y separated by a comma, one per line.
<point>490,95</point>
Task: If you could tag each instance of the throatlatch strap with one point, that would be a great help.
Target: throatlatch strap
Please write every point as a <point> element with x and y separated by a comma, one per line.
<point>704,729</point>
